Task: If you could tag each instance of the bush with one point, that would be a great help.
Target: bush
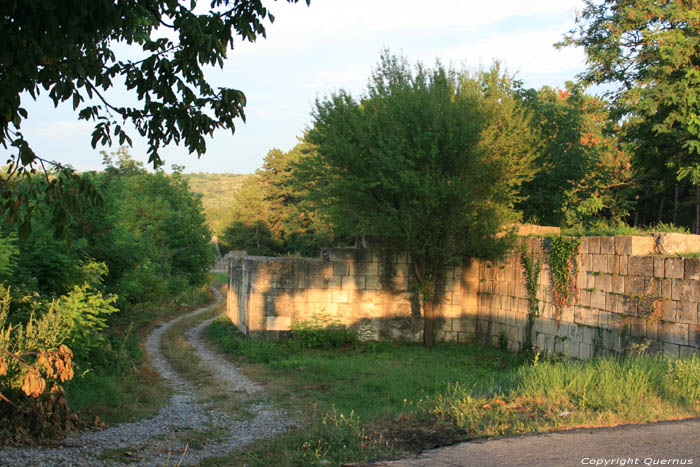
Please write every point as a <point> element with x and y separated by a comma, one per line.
<point>322,332</point>
<point>33,361</point>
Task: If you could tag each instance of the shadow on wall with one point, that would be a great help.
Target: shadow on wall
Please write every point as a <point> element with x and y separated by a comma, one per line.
<point>626,297</point>
<point>360,288</point>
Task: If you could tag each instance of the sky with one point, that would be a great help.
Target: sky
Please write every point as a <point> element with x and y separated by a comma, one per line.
<point>312,51</point>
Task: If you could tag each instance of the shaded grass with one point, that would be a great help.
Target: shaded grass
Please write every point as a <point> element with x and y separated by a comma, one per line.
<point>404,397</point>
<point>374,380</point>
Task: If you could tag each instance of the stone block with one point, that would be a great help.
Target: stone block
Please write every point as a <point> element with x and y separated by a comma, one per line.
<point>642,245</point>
<point>635,285</point>
<point>373,283</point>
<point>603,282</point>
<point>598,299</point>
<point>611,301</point>
<point>694,335</point>
<point>670,349</point>
<point>687,312</point>
<point>684,290</point>
<point>638,327</point>
<point>586,316</point>
<point>585,298</point>
<point>567,314</point>
<point>623,246</point>
<point>668,310</point>
<point>659,266</point>
<point>340,268</point>
<point>352,282</point>
<point>624,260</point>
<point>626,306</point>
<point>608,320</point>
<point>318,296</point>
<point>321,268</point>
<point>599,263</point>
<point>674,268</point>
<point>667,288</point>
<point>590,280</point>
<point>592,244</point>
<point>340,296</point>
<point>613,264</point>
<point>686,352</point>
<point>607,245</point>
<point>367,269</point>
<point>581,280</point>
<point>585,351</point>
<point>618,284</point>
<point>691,269</point>
<point>571,349</point>
<point>278,323</point>
<point>675,243</point>
<point>673,333</point>
<point>640,266</point>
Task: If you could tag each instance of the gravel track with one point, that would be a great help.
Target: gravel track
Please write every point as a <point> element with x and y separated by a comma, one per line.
<point>161,439</point>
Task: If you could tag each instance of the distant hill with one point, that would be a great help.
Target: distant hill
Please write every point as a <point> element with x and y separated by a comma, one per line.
<point>217,192</point>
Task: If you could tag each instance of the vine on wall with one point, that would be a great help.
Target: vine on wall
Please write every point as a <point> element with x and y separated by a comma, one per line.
<point>532,265</point>
<point>562,261</point>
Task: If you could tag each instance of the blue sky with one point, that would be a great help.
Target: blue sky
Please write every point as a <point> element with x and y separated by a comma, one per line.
<point>330,45</point>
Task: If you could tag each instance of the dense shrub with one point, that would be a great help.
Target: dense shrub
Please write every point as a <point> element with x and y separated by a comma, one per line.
<point>321,332</point>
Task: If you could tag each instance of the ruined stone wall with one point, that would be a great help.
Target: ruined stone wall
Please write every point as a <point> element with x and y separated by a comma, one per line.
<point>629,292</point>
<point>355,287</point>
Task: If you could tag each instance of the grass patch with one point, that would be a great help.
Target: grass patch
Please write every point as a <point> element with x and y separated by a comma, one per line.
<point>559,394</point>
<point>403,397</point>
<point>623,229</point>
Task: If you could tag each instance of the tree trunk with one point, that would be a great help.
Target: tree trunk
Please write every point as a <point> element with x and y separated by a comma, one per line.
<point>660,213</point>
<point>429,324</point>
<point>697,209</point>
<point>675,205</point>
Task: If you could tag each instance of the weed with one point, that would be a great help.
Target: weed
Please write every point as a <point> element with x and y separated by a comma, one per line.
<point>321,332</point>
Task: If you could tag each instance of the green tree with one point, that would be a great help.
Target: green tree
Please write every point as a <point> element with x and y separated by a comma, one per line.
<point>69,49</point>
<point>428,162</point>
<point>271,213</point>
<point>649,49</point>
<point>585,177</point>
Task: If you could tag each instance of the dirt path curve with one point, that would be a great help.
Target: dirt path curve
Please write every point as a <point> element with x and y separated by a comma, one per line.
<point>662,443</point>
<point>161,439</point>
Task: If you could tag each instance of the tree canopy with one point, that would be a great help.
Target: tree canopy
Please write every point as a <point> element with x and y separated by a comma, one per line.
<point>649,50</point>
<point>68,50</point>
<point>427,162</point>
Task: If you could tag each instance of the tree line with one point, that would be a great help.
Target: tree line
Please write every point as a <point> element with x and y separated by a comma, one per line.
<point>145,245</point>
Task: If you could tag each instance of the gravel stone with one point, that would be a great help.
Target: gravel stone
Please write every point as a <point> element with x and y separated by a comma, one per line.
<point>147,440</point>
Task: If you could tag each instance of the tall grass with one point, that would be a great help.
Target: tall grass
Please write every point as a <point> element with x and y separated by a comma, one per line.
<point>622,229</point>
<point>555,394</point>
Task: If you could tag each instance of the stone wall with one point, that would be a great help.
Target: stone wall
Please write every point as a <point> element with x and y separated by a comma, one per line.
<point>353,286</point>
<point>627,293</point>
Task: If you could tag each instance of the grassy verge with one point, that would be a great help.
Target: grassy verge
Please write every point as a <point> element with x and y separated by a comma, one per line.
<point>370,400</point>
<point>125,387</point>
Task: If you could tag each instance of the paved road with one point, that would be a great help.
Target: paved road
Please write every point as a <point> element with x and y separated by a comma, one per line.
<point>663,443</point>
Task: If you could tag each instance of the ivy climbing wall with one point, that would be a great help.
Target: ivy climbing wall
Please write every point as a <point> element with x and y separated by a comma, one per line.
<point>594,295</point>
